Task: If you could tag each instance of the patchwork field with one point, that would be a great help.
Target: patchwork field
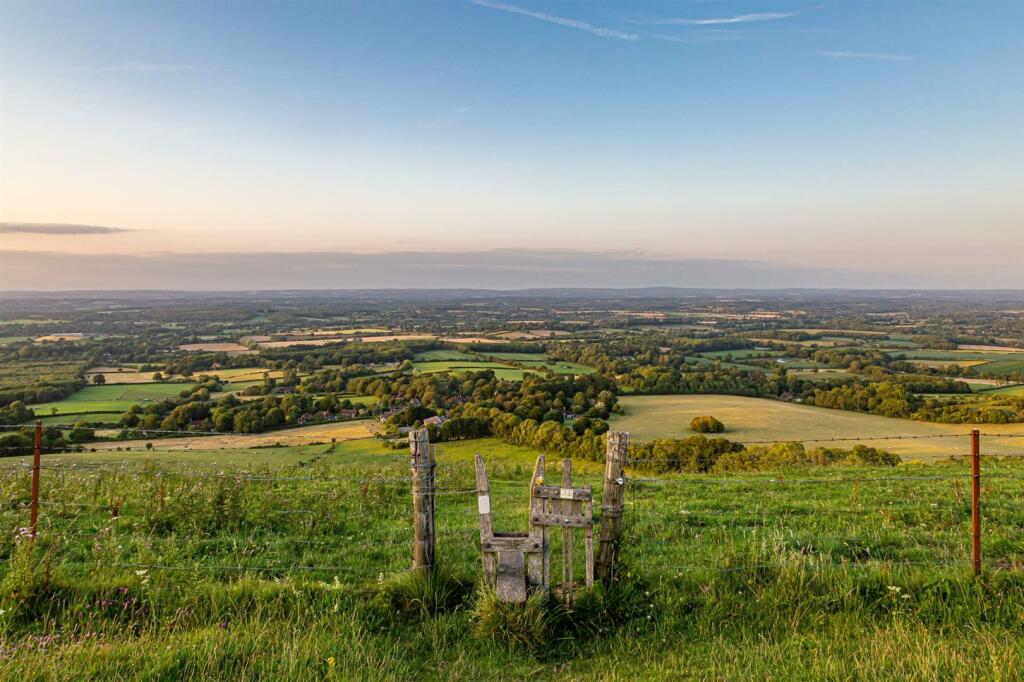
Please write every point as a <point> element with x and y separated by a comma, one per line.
<point>742,353</point>
<point>821,374</point>
<point>345,339</point>
<point>759,419</point>
<point>436,355</point>
<point>121,375</point>
<point>300,435</point>
<point>433,361</point>
<point>111,399</point>
<point>230,348</point>
<point>942,364</point>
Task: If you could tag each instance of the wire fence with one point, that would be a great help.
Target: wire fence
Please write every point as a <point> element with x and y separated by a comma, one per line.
<point>333,518</point>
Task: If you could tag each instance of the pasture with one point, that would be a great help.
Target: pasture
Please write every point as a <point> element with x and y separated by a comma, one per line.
<point>122,375</point>
<point>106,402</point>
<point>111,398</point>
<point>297,435</point>
<point>347,338</point>
<point>442,355</point>
<point>288,563</point>
<point>210,347</point>
<point>760,419</point>
<point>431,362</point>
<point>741,353</point>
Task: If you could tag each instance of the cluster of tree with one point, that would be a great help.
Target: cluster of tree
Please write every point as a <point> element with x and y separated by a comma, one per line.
<point>547,436</point>
<point>706,424</point>
<point>885,398</point>
<point>229,414</point>
<point>37,373</point>
<point>541,398</point>
<point>21,442</point>
<point>785,455</point>
<point>16,413</point>
<point>896,399</point>
<point>1007,410</point>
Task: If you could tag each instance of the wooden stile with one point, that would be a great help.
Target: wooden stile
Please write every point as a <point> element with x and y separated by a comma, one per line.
<point>506,554</point>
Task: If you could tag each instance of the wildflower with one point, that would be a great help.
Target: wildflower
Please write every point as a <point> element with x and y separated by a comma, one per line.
<point>330,662</point>
<point>141,572</point>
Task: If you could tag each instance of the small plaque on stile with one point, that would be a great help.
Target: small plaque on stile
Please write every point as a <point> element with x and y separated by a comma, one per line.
<point>566,493</point>
<point>483,503</point>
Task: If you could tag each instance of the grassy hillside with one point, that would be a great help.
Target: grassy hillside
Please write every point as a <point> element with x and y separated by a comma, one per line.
<point>287,563</point>
<point>759,419</point>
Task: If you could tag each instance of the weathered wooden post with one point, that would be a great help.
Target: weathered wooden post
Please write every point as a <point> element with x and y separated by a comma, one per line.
<point>612,503</point>
<point>37,453</point>
<point>483,505</point>
<point>423,466</point>
<point>976,501</point>
<point>538,565</point>
<point>568,507</point>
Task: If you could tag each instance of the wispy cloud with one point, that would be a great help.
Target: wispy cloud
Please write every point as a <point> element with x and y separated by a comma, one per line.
<point>877,56</point>
<point>58,228</point>
<point>718,21</point>
<point>170,67</point>
<point>138,67</point>
<point>599,31</point>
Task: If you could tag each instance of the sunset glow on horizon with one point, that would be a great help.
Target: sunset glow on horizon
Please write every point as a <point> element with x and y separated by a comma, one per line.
<point>784,133</point>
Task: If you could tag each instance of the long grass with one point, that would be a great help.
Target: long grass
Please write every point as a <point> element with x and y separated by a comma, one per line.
<point>295,567</point>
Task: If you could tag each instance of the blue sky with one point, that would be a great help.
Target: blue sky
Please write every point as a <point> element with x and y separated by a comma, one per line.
<point>883,136</point>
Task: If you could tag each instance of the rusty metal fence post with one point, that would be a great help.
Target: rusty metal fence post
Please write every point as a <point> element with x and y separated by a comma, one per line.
<point>612,504</point>
<point>976,501</point>
<point>423,465</point>
<point>37,453</point>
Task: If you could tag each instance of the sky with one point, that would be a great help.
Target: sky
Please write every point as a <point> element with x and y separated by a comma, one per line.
<point>483,143</point>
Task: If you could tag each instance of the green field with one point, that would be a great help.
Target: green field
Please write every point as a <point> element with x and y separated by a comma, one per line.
<point>760,419</point>
<point>924,354</point>
<point>1002,367</point>
<point>106,402</point>
<point>72,418</point>
<point>520,357</point>
<point>823,374</point>
<point>703,362</point>
<point>114,398</point>
<point>1002,390</point>
<point>435,355</point>
<point>557,366</point>
<point>287,563</point>
<point>433,361</point>
<point>741,353</point>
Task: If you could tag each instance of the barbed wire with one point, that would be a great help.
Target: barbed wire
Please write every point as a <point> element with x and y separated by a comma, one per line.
<point>805,563</point>
<point>788,481</point>
<point>225,569</point>
<point>854,438</point>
